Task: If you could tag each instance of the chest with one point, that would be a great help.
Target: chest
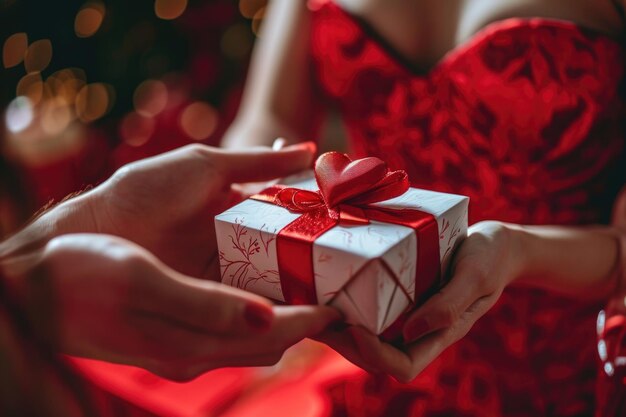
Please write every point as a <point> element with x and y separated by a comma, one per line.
<point>423,31</point>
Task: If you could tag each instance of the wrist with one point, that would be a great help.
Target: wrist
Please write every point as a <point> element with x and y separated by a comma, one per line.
<point>516,241</point>
<point>71,216</point>
<point>519,242</point>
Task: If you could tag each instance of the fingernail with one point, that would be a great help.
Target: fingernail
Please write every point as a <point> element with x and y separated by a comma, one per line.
<point>413,330</point>
<point>311,147</point>
<point>258,316</point>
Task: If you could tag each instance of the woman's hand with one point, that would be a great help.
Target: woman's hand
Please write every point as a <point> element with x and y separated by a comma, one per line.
<point>487,261</point>
<point>112,300</point>
<point>167,203</point>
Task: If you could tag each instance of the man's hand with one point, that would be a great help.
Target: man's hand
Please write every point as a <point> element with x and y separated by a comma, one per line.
<point>115,301</point>
<point>167,203</point>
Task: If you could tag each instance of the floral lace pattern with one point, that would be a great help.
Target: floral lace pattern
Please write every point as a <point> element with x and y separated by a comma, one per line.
<point>524,119</point>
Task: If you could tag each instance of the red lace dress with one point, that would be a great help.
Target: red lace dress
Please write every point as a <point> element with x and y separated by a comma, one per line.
<point>527,119</point>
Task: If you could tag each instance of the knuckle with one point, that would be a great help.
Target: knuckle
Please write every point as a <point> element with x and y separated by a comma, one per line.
<point>483,283</point>
<point>448,314</point>
<point>122,174</point>
<point>197,150</point>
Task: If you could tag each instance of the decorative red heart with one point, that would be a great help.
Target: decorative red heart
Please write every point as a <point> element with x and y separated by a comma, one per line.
<point>340,178</point>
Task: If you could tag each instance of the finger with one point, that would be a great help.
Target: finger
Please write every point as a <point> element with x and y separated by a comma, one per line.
<point>428,348</point>
<point>445,307</point>
<point>204,306</point>
<point>291,324</point>
<point>381,355</point>
<point>263,164</point>
<point>343,343</point>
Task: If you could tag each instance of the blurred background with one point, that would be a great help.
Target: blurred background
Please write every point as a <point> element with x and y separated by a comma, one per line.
<point>88,85</point>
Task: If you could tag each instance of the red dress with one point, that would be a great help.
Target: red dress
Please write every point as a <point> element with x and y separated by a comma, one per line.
<point>527,119</point>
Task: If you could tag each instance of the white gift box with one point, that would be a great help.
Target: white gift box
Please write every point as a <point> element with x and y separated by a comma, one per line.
<point>246,237</point>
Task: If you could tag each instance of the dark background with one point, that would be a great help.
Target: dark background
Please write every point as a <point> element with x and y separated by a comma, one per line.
<point>199,57</point>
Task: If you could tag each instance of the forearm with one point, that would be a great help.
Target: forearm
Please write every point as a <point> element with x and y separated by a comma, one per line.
<point>578,261</point>
<point>279,99</point>
<point>71,216</point>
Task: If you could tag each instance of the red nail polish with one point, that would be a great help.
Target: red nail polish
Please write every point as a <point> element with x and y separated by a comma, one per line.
<point>415,329</point>
<point>258,316</point>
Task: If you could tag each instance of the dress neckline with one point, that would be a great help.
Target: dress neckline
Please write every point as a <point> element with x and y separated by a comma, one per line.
<point>480,36</point>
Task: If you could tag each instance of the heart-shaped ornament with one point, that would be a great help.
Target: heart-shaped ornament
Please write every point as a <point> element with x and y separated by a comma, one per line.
<point>340,178</point>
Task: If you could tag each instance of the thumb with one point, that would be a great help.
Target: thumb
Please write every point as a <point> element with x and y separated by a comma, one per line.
<point>212,307</point>
<point>263,164</point>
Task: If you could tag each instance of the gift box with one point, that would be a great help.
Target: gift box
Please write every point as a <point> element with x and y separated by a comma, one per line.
<point>350,234</point>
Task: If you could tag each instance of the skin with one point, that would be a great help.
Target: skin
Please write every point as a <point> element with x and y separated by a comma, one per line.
<point>120,263</point>
<point>581,262</point>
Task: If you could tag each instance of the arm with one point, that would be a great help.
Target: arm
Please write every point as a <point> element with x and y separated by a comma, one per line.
<point>279,99</point>
<point>115,300</point>
<point>586,263</point>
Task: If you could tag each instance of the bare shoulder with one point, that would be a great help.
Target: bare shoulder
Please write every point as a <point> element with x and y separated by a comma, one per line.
<point>601,15</point>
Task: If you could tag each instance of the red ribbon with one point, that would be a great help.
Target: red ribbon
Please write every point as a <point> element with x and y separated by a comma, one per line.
<point>294,243</point>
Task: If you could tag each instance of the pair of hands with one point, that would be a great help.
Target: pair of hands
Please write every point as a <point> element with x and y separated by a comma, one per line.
<point>127,290</point>
<point>122,263</point>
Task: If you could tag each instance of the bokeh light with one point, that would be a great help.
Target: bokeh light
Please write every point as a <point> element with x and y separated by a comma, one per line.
<point>199,120</point>
<point>14,49</point>
<point>136,129</point>
<point>89,19</point>
<point>150,98</point>
<point>66,84</point>
<point>19,114</point>
<point>56,116</point>
<point>236,41</point>
<point>93,101</point>
<point>31,86</point>
<point>169,9</point>
<point>38,55</point>
<point>249,8</point>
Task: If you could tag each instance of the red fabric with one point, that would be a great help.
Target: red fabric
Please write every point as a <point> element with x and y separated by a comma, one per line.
<point>525,118</point>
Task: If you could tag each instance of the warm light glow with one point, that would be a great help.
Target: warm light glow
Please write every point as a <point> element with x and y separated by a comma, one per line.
<point>30,86</point>
<point>38,55</point>
<point>93,101</point>
<point>55,116</point>
<point>19,114</point>
<point>236,41</point>
<point>14,49</point>
<point>169,9</point>
<point>150,98</point>
<point>136,130</point>
<point>66,83</point>
<point>249,8</point>
<point>89,19</point>
<point>199,120</point>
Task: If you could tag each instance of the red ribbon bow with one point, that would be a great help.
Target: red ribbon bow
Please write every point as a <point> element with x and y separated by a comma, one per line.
<point>347,191</point>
